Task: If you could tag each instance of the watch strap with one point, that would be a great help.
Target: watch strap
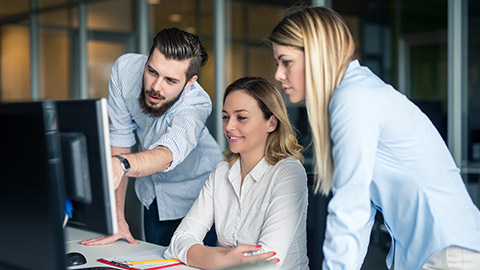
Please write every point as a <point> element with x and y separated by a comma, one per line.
<point>124,162</point>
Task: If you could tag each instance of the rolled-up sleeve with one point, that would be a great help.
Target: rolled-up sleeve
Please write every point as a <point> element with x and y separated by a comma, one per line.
<point>195,224</point>
<point>121,122</point>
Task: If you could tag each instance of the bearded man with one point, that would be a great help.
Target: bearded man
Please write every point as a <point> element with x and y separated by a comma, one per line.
<point>157,97</point>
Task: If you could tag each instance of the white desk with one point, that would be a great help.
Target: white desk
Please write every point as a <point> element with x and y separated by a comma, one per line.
<point>92,253</point>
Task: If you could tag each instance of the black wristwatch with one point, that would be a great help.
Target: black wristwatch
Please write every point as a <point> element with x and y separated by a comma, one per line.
<point>124,162</point>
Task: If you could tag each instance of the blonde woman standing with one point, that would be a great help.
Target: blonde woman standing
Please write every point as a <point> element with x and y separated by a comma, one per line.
<point>375,150</point>
<point>258,196</point>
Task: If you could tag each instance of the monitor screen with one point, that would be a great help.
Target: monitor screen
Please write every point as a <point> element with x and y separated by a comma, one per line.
<point>31,207</point>
<point>52,150</point>
<point>83,125</point>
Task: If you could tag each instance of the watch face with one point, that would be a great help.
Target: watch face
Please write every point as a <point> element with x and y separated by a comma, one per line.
<point>125,165</point>
<point>124,162</point>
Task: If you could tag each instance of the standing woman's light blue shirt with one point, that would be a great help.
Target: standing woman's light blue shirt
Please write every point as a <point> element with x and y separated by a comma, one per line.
<point>389,157</point>
<point>181,129</point>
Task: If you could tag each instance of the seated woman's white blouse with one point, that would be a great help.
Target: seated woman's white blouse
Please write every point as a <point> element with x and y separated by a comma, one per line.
<point>270,210</point>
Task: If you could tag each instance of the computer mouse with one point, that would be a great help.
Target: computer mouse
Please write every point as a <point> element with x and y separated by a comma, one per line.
<point>75,258</point>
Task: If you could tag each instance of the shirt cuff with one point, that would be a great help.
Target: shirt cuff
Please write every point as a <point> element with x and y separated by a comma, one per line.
<point>179,247</point>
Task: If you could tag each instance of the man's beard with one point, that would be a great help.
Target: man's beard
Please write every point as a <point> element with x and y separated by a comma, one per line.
<point>149,109</point>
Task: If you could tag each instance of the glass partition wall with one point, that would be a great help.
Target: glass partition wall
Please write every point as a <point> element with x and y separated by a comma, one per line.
<point>471,103</point>
<point>429,50</point>
<point>63,49</point>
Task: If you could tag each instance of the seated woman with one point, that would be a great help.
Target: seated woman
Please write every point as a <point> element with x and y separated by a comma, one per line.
<point>258,197</point>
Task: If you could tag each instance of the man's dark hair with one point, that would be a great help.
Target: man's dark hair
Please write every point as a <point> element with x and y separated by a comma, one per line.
<point>179,45</point>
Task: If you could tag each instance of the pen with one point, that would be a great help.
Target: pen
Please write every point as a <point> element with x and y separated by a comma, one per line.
<point>119,263</point>
<point>153,261</point>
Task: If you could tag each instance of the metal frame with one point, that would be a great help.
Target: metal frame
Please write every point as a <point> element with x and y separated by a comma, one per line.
<point>325,3</point>
<point>34,70</point>
<point>457,77</point>
<point>141,13</point>
<point>220,74</point>
<point>82,52</point>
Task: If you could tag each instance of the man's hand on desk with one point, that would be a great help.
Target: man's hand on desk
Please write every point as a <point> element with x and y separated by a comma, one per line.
<point>123,233</point>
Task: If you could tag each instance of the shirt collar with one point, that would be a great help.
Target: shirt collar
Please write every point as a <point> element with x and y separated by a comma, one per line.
<point>256,173</point>
<point>353,65</point>
<point>259,170</point>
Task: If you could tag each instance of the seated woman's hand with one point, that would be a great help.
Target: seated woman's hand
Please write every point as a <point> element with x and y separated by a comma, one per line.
<point>244,254</point>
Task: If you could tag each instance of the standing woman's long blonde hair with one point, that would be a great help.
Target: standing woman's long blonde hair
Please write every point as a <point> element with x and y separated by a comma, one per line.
<point>329,47</point>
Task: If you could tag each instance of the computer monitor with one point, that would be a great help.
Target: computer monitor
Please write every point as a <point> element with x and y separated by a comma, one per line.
<point>34,178</point>
<point>85,122</point>
<point>31,206</point>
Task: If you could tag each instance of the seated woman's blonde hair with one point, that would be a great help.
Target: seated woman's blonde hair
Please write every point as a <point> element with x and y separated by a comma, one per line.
<point>281,142</point>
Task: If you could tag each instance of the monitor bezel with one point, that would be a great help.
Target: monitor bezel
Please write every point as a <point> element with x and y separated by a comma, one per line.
<point>72,114</point>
